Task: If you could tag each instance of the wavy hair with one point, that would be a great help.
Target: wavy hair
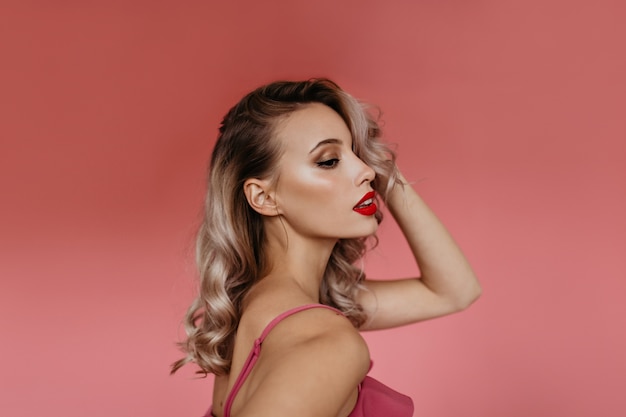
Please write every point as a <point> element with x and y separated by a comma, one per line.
<point>230,252</point>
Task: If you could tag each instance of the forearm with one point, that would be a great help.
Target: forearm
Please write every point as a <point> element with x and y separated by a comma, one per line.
<point>444,269</point>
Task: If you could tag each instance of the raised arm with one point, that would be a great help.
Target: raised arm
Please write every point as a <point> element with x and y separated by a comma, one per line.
<point>447,283</point>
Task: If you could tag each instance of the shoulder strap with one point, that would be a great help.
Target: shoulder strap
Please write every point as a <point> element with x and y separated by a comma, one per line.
<point>291,312</point>
<point>256,351</point>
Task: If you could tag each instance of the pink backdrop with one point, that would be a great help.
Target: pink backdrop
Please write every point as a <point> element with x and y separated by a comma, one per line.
<point>510,115</point>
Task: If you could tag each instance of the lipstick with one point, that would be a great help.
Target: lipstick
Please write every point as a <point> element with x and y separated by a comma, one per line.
<point>366,206</point>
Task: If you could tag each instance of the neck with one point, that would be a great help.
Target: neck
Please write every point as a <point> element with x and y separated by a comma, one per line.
<point>297,260</point>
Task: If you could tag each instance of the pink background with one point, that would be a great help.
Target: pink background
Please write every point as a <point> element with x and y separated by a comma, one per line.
<point>509,114</point>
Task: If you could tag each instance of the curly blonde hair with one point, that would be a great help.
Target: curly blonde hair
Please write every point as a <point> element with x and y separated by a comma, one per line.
<point>230,242</point>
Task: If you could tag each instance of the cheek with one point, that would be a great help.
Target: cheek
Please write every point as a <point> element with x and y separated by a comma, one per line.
<point>305,187</point>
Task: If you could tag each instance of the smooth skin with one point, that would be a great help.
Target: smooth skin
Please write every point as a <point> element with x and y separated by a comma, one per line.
<point>312,362</point>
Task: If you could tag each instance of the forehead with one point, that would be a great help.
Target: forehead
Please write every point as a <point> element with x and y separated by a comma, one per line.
<point>311,124</point>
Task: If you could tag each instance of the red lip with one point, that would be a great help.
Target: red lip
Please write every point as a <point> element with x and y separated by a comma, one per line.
<point>369,209</point>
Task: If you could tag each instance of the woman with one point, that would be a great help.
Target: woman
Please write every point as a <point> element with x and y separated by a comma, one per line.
<point>295,178</point>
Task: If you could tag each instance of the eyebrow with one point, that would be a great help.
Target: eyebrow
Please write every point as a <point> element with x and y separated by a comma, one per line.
<point>332,141</point>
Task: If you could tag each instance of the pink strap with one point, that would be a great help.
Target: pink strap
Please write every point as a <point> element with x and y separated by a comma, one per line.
<point>256,351</point>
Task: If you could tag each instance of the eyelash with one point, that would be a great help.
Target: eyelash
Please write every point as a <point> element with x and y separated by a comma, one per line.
<point>328,164</point>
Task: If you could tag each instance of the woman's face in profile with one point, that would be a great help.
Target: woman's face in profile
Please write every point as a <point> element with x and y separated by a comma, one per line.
<point>323,189</point>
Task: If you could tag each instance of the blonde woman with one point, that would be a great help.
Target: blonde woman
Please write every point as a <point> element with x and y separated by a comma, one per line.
<point>296,179</point>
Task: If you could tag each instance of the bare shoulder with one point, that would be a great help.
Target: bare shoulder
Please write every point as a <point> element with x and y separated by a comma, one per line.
<point>325,333</point>
<point>311,364</point>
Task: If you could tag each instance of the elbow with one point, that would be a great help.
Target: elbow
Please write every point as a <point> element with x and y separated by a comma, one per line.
<point>468,297</point>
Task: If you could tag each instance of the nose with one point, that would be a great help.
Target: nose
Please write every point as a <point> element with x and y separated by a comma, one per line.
<point>365,173</point>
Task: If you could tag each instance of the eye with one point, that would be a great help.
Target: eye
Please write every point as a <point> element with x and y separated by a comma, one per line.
<point>328,163</point>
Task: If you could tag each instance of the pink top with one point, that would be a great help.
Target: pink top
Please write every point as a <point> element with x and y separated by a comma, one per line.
<point>375,399</point>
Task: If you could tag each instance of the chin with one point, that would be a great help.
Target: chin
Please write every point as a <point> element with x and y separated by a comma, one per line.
<point>367,232</point>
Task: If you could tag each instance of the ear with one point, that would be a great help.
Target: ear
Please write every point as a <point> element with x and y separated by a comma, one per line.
<point>260,197</point>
